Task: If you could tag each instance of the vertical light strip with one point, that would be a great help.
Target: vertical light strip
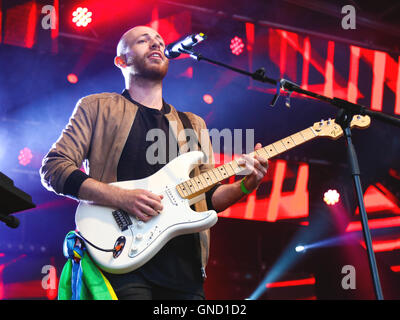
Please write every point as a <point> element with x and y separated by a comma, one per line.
<point>328,89</point>
<point>300,196</point>
<point>31,29</point>
<point>250,207</point>
<point>55,31</point>
<point>378,80</point>
<point>282,61</point>
<point>397,93</point>
<point>2,266</point>
<point>302,180</point>
<point>352,88</point>
<point>1,21</point>
<point>306,63</point>
<point>279,176</point>
<point>250,37</point>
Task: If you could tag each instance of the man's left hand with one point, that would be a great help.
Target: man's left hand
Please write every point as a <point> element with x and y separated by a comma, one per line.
<point>256,169</point>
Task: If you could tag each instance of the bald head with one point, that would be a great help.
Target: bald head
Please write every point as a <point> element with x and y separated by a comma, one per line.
<point>129,37</point>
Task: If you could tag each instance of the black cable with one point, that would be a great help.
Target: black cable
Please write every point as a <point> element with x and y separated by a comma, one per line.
<point>79,235</point>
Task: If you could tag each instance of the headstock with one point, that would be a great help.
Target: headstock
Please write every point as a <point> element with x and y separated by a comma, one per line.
<point>329,128</point>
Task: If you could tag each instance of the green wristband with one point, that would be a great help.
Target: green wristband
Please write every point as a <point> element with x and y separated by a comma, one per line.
<point>243,188</point>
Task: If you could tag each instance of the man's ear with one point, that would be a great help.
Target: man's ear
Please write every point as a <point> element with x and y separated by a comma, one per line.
<point>119,61</point>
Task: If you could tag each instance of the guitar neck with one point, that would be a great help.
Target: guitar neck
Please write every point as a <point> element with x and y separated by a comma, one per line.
<point>205,181</point>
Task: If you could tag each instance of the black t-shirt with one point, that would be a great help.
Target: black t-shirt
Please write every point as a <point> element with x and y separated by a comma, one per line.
<point>178,264</point>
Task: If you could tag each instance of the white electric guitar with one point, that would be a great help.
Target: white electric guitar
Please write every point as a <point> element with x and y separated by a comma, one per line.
<point>119,243</point>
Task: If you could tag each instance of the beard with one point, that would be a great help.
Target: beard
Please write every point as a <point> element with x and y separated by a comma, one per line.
<point>148,70</point>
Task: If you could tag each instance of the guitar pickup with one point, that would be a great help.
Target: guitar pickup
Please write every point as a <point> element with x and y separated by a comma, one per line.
<point>171,196</point>
<point>122,219</point>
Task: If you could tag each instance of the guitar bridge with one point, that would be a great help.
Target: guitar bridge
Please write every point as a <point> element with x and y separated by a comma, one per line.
<point>122,219</point>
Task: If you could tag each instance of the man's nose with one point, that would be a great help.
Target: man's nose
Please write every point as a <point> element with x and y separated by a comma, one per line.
<point>154,44</point>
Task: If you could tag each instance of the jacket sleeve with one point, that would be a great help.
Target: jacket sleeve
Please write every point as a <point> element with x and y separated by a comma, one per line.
<point>60,171</point>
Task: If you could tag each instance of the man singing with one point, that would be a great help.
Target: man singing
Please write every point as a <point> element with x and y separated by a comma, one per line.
<point>108,132</point>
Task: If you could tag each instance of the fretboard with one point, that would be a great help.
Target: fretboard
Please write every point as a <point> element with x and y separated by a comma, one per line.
<point>205,181</point>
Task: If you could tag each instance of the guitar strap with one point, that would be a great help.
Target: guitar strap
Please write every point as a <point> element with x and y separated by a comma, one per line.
<point>188,125</point>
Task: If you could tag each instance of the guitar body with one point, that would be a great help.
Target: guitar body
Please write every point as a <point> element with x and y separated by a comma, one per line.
<point>136,240</point>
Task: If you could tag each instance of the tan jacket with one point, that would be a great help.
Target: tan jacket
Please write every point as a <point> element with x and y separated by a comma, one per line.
<point>96,133</point>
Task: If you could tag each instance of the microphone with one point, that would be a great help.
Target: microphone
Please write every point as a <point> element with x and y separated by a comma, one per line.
<point>174,50</point>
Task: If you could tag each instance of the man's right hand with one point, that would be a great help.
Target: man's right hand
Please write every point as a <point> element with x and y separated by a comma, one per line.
<point>140,203</point>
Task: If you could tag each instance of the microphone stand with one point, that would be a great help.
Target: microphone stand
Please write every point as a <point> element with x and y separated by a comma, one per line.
<point>344,116</point>
<point>259,75</point>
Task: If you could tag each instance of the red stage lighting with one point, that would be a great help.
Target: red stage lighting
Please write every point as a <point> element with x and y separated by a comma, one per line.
<point>291,283</point>
<point>81,17</point>
<point>237,45</point>
<point>208,98</point>
<point>72,78</point>
<point>395,268</point>
<point>25,156</point>
<point>331,197</point>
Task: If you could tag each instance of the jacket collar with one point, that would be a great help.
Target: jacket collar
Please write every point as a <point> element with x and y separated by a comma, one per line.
<point>166,108</point>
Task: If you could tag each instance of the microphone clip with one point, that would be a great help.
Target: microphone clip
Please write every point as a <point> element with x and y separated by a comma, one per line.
<point>282,84</point>
<point>192,54</point>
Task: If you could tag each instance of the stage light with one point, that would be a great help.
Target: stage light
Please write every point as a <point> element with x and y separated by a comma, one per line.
<point>72,78</point>
<point>390,222</point>
<point>292,283</point>
<point>395,268</point>
<point>236,45</point>
<point>25,156</point>
<point>300,248</point>
<point>208,98</point>
<point>81,17</point>
<point>331,197</point>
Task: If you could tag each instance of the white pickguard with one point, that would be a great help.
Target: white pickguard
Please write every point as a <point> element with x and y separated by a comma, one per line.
<point>144,239</point>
